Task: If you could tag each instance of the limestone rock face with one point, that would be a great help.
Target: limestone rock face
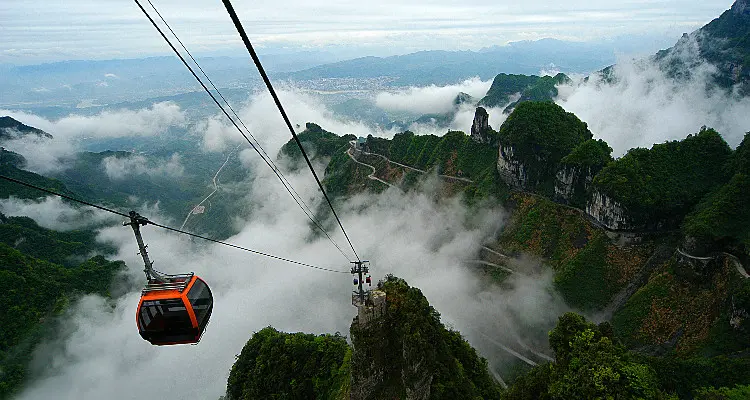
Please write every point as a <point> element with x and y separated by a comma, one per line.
<point>608,212</point>
<point>481,126</point>
<point>572,184</point>
<point>512,171</point>
<point>565,184</point>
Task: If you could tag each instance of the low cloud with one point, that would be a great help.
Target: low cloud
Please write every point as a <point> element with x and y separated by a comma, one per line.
<point>118,168</point>
<point>263,120</point>
<point>52,213</point>
<point>462,121</point>
<point>51,155</point>
<point>100,354</point>
<point>430,99</point>
<point>645,106</point>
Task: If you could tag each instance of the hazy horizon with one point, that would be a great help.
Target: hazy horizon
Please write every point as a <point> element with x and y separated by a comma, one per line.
<point>44,31</point>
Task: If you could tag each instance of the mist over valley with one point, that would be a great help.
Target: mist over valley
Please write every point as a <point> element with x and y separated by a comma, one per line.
<point>542,219</point>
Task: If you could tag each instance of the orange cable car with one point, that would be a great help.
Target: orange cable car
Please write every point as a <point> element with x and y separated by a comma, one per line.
<point>175,312</point>
<point>174,309</point>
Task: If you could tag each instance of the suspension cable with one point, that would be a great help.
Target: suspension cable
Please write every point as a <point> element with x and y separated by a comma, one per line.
<point>256,60</point>
<point>267,159</point>
<point>109,210</point>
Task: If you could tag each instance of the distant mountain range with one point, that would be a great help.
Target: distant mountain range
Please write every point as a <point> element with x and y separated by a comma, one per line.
<point>444,67</point>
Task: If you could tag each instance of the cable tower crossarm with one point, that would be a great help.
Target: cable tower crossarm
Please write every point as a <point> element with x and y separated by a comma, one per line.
<point>267,81</point>
<point>267,159</point>
<point>149,222</point>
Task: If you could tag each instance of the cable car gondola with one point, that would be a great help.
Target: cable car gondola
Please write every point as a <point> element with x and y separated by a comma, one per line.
<point>174,312</point>
<point>174,309</point>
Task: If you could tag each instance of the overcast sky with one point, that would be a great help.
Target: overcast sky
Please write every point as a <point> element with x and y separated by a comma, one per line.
<point>50,30</point>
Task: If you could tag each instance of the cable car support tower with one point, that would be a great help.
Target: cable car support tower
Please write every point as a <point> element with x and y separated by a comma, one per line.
<point>360,268</point>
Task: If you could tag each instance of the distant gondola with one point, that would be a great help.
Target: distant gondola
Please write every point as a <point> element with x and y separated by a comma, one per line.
<point>175,312</point>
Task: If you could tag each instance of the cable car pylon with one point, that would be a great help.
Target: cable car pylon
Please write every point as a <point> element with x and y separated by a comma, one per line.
<point>360,268</point>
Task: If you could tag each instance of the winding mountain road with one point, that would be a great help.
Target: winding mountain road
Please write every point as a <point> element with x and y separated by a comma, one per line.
<point>406,166</point>
<point>372,175</point>
<point>489,264</point>
<point>216,188</point>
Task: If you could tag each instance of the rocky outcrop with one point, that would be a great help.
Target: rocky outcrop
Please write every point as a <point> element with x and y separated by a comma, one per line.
<point>407,353</point>
<point>481,126</point>
<point>512,171</point>
<point>608,212</point>
<point>565,184</point>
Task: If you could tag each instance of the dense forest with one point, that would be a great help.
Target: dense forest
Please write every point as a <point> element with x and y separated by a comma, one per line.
<point>35,292</point>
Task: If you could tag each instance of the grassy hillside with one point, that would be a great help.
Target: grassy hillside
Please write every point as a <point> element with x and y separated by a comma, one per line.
<point>680,311</point>
<point>589,267</point>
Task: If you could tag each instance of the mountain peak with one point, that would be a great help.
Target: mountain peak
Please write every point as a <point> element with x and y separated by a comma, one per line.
<point>11,128</point>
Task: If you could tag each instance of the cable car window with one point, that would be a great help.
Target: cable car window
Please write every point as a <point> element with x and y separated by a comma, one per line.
<point>201,300</point>
<point>168,315</point>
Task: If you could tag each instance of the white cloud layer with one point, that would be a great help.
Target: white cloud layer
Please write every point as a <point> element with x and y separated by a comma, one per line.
<point>99,354</point>
<point>263,120</point>
<point>118,168</point>
<point>52,213</point>
<point>47,155</point>
<point>645,106</point>
<point>430,99</point>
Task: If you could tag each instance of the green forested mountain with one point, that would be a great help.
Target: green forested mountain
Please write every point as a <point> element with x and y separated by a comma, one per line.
<point>530,88</point>
<point>282,365</point>
<point>723,42</point>
<point>538,135</point>
<point>722,219</point>
<point>407,349</point>
<point>590,363</point>
<point>678,328</point>
<point>10,128</point>
<point>659,186</point>
<point>32,293</point>
<point>434,361</point>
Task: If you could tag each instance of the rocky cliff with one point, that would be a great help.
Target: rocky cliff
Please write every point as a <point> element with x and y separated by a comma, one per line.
<point>570,181</point>
<point>532,143</point>
<point>407,353</point>
<point>608,212</point>
<point>511,169</point>
<point>480,128</point>
<point>577,170</point>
